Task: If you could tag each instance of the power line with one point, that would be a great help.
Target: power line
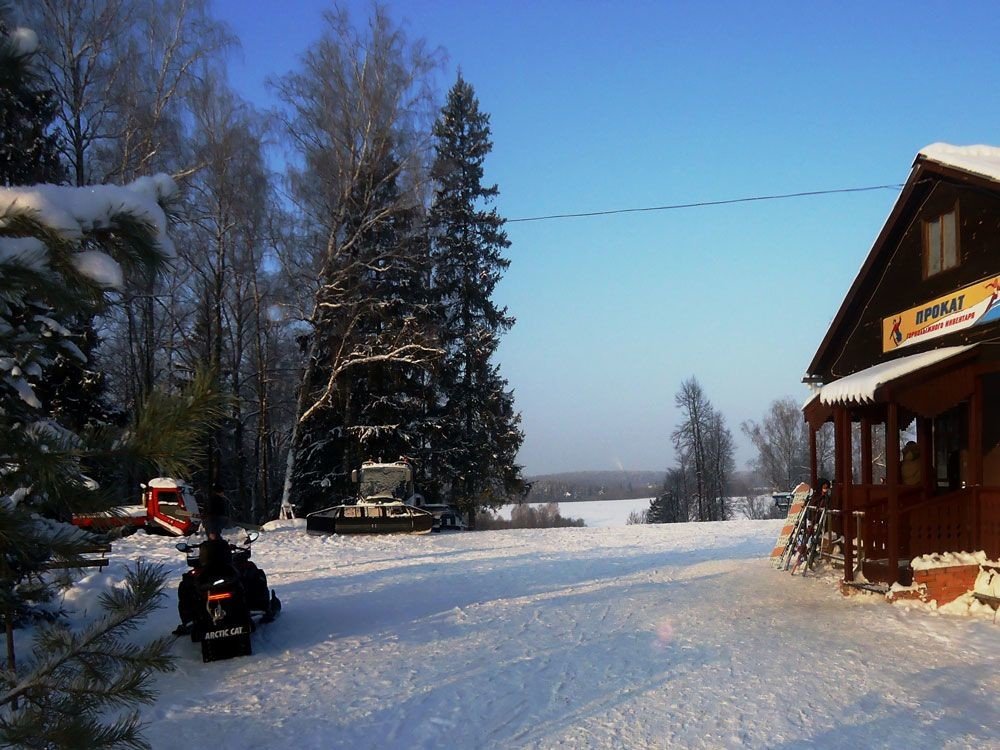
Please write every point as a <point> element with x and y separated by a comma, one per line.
<point>707,203</point>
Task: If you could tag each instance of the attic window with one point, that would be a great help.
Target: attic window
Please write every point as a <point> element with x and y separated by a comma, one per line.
<point>941,243</point>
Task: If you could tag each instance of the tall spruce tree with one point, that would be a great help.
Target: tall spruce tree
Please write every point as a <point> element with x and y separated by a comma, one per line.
<point>477,428</point>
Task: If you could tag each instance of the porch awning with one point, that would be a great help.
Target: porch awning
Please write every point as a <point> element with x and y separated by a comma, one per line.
<point>860,387</point>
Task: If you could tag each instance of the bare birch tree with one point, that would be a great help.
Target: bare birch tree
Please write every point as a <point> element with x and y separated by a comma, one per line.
<point>704,451</point>
<point>690,439</point>
<point>782,444</point>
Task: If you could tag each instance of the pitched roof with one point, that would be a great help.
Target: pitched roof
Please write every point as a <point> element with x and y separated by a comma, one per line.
<point>973,164</point>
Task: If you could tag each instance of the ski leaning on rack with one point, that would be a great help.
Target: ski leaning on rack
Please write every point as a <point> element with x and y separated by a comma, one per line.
<point>812,534</point>
<point>785,544</point>
<point>794,538</point>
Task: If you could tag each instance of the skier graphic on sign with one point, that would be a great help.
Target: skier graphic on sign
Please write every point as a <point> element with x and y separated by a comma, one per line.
<point>994,286</point>
<point>896,334</point>
<point>992,309</point>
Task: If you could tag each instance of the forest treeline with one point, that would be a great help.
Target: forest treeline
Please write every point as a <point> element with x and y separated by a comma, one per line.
<point>567,487</point>
<point>173,305</point>
<point>341,302</point>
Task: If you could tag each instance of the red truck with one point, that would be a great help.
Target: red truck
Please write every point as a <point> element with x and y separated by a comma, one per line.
<point>168,507</point>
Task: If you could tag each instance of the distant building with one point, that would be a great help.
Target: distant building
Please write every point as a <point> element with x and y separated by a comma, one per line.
<point>914,344</point>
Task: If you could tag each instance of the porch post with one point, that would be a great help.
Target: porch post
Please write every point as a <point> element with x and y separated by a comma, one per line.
<point>975,468</point>
<point>892,484</point>
<point>866,450</point>
<point>925,440</point>
<point>813,459</point>
<point>846,500</point>
<point>848,457</point>
<point>974,476</point>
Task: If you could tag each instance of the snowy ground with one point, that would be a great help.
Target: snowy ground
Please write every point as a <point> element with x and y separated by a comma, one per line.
<point>630,637</point>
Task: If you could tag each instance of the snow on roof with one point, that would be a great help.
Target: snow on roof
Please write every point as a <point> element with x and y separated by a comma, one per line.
<point>165,482</point>
<point>981,160</point>
<point>861,386</point>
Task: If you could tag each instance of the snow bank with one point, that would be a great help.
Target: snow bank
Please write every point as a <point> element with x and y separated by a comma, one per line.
<point>595,513</point>
<point>947,560</point>
<point>293,523</point>
<point>988,581</point>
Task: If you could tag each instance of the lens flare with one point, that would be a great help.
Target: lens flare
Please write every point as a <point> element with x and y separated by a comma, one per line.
<point>664,632</point>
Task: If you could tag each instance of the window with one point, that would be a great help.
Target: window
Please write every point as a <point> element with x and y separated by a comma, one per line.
<point>169,503</point>
<point>941,243</point>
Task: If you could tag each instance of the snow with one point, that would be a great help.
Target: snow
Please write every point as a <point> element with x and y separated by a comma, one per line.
<point>164,482</point>
<point>861,386</point>
<point>981,160</point>
<point>25,391</point>
<point>100,268</point>
<point>947,560</point>
<point>595,513</point>
<point>25,41</point>
<point>70,212</point>
<point>674,635</point>
<point>988,581</point>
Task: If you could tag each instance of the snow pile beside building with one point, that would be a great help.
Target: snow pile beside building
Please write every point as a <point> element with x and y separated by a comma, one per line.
<point>947,560</point>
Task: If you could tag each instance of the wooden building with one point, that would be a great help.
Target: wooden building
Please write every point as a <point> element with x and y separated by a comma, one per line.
<point>914,351</point>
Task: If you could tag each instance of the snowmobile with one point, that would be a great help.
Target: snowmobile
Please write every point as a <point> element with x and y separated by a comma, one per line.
<point>223,598</point>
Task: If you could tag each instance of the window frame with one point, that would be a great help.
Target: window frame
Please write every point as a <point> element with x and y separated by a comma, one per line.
<point>925,227</point>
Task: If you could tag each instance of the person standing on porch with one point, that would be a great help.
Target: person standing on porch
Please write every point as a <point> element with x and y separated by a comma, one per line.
<point>909,466</point>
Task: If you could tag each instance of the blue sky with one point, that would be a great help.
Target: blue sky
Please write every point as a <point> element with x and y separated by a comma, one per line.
<point>606,105</point>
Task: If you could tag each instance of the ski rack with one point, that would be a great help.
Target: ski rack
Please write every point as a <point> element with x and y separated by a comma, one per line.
<point>859,550</point>
<point>812,532</point>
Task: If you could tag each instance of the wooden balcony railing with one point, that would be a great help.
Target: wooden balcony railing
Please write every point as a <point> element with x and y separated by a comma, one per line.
<point>965,520</point>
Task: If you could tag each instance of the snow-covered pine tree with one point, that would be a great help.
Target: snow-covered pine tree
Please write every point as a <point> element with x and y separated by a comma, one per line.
<point>62,250</point>
<point>29,154</point>
<point>477,429</point>
<point>657,511</point>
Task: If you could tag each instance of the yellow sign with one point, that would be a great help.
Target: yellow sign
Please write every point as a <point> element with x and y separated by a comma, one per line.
<point>969,306</point>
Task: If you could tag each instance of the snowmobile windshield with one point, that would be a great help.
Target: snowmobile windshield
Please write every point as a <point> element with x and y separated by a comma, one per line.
<point>385,482</point>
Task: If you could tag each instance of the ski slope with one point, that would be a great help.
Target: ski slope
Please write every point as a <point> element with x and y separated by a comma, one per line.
<point>629,637</point>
